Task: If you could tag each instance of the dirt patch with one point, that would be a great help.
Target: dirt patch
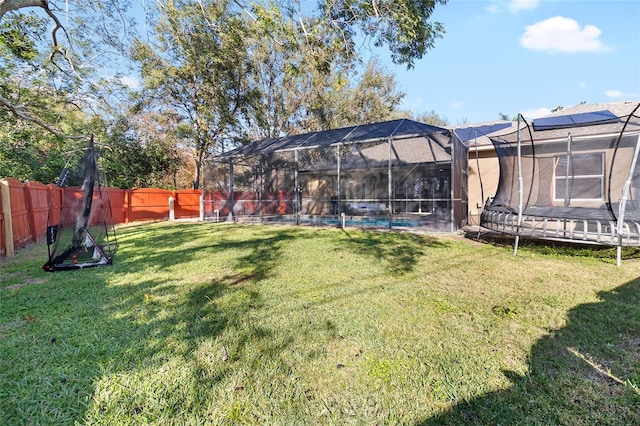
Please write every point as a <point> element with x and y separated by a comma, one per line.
<point>30,281</point>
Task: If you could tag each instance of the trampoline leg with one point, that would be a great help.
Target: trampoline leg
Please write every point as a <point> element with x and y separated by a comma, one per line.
<point>618,255</point>
<point>515,245</point>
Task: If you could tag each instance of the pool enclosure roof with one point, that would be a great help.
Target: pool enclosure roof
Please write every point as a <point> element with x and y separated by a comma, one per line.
<point>365,133</point>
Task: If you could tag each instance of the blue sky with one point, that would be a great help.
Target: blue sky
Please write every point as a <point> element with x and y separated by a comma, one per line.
<point>522,56</point>
<point>525,56</point>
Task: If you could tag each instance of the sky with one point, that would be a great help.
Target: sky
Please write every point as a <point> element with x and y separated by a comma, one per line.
<point>524,56</point>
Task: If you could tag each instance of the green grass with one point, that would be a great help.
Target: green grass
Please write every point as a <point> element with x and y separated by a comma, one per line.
<point>230,324</point>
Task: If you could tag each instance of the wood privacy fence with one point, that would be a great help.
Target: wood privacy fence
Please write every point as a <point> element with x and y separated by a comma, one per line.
<point>24,208</point>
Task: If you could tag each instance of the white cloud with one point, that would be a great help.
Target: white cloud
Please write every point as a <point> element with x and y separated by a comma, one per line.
<point>492,8</point>
<point>456,105</point>
<point>536,113</point>
<point>518,5</point>
<point>582,85</point>
<point>560,34</point>
<point>130,82</point>
<point>619,94</point>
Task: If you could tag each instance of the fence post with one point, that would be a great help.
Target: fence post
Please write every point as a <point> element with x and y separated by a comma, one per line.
<point>201,208</point>
<point>172,213</point>
<point>8,222</point>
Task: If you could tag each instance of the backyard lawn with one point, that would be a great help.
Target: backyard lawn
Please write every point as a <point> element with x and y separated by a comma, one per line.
<point>221,324</point>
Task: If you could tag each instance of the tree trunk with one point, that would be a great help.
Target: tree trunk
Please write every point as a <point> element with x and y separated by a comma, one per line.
<point>196,178</point>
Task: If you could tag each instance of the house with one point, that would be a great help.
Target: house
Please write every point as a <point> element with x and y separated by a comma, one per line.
<point>484,169</point>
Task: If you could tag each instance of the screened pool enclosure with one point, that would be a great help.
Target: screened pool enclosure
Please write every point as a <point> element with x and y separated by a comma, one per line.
<point>391,174</point>
<point>572,177</point>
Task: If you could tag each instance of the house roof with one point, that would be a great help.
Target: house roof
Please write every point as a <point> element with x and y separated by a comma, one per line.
<point>372,132</point>
<point>582,120</point>
<point>477,134</point>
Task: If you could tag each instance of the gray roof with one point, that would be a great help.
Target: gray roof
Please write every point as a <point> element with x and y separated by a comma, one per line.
<point>627,113</point>
<point>372,132</point>
<point>477,134</point>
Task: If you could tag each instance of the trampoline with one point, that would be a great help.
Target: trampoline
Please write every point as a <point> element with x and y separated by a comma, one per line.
<point>570,177</point>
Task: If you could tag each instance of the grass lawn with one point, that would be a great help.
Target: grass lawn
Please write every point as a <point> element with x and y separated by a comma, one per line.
<point>222,324</point>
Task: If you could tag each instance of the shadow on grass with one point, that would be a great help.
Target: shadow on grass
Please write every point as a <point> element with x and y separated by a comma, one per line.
<point>176,244</point>
<point>588,372</point>
<point>61,337</point>
<point>557,248</point>
<point>400,251</point>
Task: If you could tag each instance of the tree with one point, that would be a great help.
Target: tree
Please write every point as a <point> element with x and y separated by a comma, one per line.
<point>401,25</point>
<point>196,68</point>
<point>373,98</point>
<point>427,117</point>
<point>303,81</point>
<point>142,152</point>
<point>29,152</point>
<point>293,61</point>
<point>93,34</point>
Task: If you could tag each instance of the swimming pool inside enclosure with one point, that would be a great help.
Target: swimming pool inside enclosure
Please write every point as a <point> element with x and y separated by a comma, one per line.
<point>394,174</point>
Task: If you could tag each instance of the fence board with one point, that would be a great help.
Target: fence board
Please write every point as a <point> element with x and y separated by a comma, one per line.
<point>149,204</point>
<point>32,202</point>
<point>19,213</point>
<point>38,197</point>
<point>119,199</point>
<point>3,250</point>
<point>187,203</point>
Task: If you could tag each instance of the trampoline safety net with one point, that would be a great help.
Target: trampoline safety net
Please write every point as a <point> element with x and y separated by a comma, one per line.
<point>570,178</point>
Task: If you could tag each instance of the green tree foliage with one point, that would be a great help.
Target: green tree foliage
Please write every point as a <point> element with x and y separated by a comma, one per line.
<point>197,68</point>
<point>142,152</point>
<point>374,97</point>
<point>428,117</point>
<point>305,83</point>
<point>18,35</point>
<point>30,152</point>
<point>401,25</point>
<point>69,40</point>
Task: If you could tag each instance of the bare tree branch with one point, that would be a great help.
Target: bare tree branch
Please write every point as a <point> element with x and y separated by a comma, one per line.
<point>11,5</point>
<point>22,112</point>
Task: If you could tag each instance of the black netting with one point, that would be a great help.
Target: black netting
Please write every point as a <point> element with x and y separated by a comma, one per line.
<point>397,173</point>
<point>80,229</point>
<point>577,182</point>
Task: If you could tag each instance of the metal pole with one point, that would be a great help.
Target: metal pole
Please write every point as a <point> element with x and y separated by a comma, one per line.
<point>389,177</point>
<point>452,200</point>
<point>623,201</point>
<point>566,182</point>
<point>520,185</point>
<point>231,201</point>
<point>475,134</point>
<point>296,191</point>
<point>338,189</point>
<point>261,184</point>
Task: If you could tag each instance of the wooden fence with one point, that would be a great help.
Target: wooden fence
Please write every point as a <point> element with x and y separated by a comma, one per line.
<point>24,208</point>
